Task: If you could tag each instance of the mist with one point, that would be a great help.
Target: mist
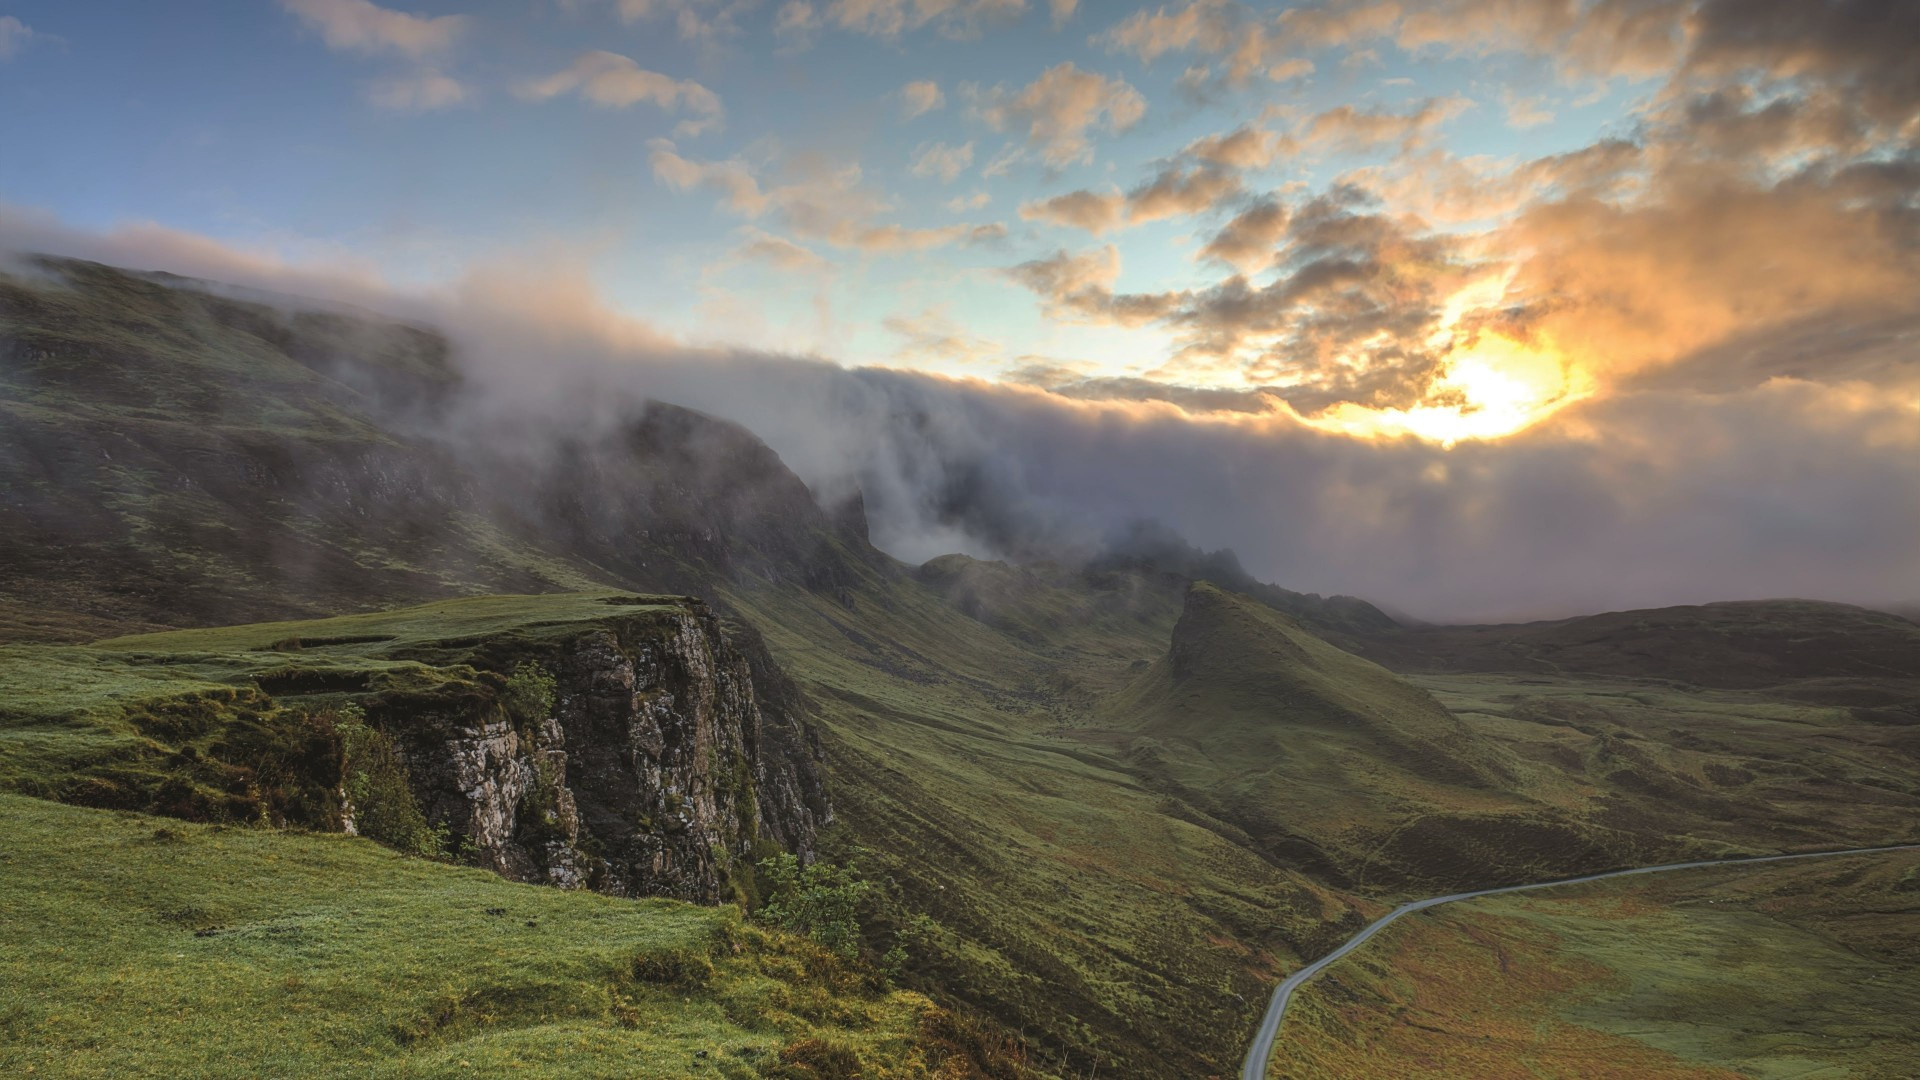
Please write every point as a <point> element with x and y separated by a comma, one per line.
<point>1644,496</point>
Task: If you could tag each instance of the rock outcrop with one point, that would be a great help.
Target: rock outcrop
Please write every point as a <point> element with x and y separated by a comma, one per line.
<point>663,769</point>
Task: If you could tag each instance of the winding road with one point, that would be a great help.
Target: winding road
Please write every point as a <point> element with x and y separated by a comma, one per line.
<point>1262,1050</point>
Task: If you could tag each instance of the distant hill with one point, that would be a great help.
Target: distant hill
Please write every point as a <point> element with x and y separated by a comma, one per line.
<point>1323,759</point>
<point>1857,655</point>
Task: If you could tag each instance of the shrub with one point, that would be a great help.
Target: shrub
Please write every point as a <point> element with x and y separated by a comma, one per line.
<point>821,901</point>
<point>384,808</point>
<point>529,694</point>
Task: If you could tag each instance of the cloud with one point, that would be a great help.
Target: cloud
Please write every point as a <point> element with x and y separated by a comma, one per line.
<point>1241,148</point>
<point>1205,25</point>
<point>1080,286</point>
<point>819,199</point>
<point>616,82</point>
<point>1060,108</point>
<point>1096,212</point>
<point>920,98</point>
<point>703,21</point>
<point>1178,192</point>
<point>1348,321</point>
<point>960,204</point>
<point>1584,38</point>
<point>1062,10</point>
<point>1251,241</point>
<point>1174,192</point>
<point>14,36</point>
<point>796,19</point>
<point>423,91</point>
<point>733,181</point>
<point>1597,39</point>
<point>1527,112</point>
<point>780,253</point>
<point>939,159</point>
<point>365,27</point>
<point>1246,44</point>
<point>1785,486</point>
<point>959,19</point>
<point>1351,130</point>
<point>1863,49</point>
<point>932,340</point>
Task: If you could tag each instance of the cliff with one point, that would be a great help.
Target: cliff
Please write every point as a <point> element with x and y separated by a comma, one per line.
<point>659,771</point>
<point>651,761</point>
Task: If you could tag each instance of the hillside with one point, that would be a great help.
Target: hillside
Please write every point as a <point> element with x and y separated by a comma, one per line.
<point>1124,806</point>
<point>1819,649</point>
<point>173,456</point>
<point>1806,969</point>
<point>1323,759</point>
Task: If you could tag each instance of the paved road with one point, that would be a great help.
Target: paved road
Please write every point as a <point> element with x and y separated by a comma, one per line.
<point>1256,1066</point>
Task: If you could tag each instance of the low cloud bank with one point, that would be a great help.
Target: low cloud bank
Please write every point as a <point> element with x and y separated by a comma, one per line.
<point>1668,491</point>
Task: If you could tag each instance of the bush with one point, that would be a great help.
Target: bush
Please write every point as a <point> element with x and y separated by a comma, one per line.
<point>821,901</point>
<point>529,694</point>
<point>384,808</point>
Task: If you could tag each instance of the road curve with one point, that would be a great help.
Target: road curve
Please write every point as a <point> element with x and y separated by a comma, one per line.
<point>1262,1049</point>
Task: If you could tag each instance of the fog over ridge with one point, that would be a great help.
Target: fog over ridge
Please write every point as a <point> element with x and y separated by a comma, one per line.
<point>1649,495</point>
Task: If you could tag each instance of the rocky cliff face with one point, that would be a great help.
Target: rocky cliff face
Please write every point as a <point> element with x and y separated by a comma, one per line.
<point>663,769</point>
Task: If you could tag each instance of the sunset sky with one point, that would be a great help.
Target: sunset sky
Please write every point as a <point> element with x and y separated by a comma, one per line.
<point>1624,225</point>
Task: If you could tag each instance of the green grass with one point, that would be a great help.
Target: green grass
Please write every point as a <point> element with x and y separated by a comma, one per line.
<point>1317,754</point>
<point>1116,926</point>
<point>1014,754</point>
<point>985,745</point>
<point>115,723</point>
<point>1772,972</point>
<point>1727,769</point>
<point>137,946</point>
<point>403,630</point>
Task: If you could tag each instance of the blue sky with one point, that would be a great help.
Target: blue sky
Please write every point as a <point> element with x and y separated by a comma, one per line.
<point>239,120</point>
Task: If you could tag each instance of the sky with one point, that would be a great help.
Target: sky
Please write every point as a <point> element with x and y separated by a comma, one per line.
<point>1570,302</point>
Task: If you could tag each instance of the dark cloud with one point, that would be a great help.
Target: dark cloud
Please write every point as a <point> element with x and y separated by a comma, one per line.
<point>1865,49</point>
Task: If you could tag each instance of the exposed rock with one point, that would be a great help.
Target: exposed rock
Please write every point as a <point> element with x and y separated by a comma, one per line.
<point>660,772</point>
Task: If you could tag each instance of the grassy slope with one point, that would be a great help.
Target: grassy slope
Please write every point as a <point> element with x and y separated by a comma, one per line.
<point>137,946</point>
<point>1736,645</point>
<point>1075,897</point>
<point>1111,924</point>
<point>1315,752</point>
<point>114,715</point>
<point>1723,769</point>
<point>176,457</point>
<point>1073,900</point>
<point>1797,970</point>
<point>980,762</point>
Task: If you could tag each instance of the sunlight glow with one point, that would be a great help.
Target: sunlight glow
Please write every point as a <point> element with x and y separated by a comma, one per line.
<point>1493,385</point>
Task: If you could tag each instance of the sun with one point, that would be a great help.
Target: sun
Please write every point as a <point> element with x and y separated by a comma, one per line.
<point>1493,385</point>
